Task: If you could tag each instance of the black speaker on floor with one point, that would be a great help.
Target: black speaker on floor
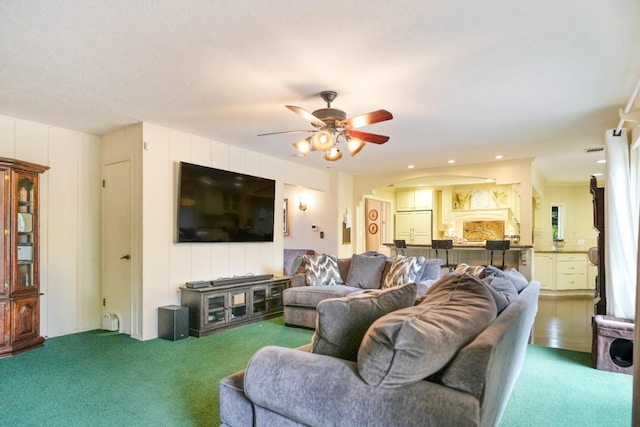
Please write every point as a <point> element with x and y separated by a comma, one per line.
<point>173,322</point>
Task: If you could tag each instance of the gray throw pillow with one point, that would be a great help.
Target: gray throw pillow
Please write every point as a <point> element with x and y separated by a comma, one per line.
<point>501,300</point>
<point>342,322</point>
<point>517,279</point>
<point>432,270</point>
<point>408,345</point>
<point>505,287</point>
<point>366,271</point>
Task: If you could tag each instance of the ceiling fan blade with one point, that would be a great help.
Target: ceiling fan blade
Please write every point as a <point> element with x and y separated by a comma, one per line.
<point>307,116</point>
<point>369,137</point>
<point>366,119</point>
<point>287,131</point>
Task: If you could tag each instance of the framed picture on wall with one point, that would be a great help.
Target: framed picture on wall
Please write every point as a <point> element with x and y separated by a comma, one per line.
<point>285,222</point>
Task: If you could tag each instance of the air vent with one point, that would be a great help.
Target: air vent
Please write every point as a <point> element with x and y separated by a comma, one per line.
<point>593,150</point>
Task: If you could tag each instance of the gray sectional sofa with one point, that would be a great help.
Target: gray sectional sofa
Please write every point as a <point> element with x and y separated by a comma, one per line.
<point>319,277</point>
<point>450,360</point>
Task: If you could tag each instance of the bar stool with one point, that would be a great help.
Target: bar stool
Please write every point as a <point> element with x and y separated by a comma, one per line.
<point>446,245</point>
<point>498,245</point>
<point>400,246</point>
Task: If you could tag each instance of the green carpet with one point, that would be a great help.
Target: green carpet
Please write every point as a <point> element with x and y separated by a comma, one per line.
<point>560,388</point>
<point>101,378</point>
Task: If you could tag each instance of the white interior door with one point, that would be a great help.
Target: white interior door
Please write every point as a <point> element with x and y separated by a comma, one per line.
<point>116,255</point>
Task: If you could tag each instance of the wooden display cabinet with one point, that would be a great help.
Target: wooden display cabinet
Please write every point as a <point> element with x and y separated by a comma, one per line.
<point>20,286</point>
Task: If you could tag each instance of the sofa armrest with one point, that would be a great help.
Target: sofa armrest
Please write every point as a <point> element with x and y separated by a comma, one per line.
<point>298,280</point>
<point>320,390</point>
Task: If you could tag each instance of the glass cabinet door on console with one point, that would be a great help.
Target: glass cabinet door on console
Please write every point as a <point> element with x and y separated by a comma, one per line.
<point>238,305</point>
<point>258,300</point>
<point>20,287</point>
<point>275,297</point>
<point>215,310</point>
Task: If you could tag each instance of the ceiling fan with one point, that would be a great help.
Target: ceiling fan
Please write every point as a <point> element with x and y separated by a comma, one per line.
<point>332,125</point>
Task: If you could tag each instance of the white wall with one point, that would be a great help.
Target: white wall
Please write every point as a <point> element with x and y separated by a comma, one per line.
<point>69,220</point>
<point>321,211</point>
<point>579,232</point>
<point>167,265</point>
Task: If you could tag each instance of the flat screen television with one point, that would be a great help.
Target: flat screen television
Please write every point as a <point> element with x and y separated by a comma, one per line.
<point>216,205</point>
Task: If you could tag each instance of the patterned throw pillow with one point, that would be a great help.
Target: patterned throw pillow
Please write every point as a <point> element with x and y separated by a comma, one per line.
<point>473,270</point>
<point>404,269</point>
<point>321,270</point>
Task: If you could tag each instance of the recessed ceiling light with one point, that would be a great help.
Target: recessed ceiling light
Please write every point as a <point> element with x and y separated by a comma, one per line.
<point>597,174</point>
<point>451,161</point>
<point>499,156</point>
<point>489,180</point>
<point>601,161</point>
<point>411,166</point>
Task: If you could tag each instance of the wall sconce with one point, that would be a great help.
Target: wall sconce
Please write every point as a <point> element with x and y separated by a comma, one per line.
<point>303,205</point>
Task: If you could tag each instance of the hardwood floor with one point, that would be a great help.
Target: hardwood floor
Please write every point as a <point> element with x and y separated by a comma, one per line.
<point>564,322</point>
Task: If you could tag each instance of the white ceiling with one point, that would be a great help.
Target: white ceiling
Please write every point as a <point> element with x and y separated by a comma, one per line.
<point>465,80</point>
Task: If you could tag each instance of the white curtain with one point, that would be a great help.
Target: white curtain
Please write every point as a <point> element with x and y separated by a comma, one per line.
<point>621,229</point>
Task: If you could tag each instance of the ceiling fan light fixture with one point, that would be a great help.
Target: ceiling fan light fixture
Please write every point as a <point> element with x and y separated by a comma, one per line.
<point>333,154</point>
<point>303,146</point>
<point>354,145</point>
<point>322,140</point>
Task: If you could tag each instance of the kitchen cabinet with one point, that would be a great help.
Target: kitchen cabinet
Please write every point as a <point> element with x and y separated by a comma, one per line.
<point>414,200</point>
<point>414,227</point>
<point>564,271</point>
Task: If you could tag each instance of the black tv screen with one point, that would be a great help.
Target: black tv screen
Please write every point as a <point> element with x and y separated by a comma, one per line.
<point>215,205</point>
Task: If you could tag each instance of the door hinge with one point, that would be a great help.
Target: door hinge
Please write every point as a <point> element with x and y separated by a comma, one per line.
<point>6,231</point>
<point>6,337</point>
<point>6,287</point>
<point>6,308</point>
<point>6,177</point>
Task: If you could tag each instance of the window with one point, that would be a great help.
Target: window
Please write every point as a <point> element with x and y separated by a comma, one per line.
<point>557,221</point>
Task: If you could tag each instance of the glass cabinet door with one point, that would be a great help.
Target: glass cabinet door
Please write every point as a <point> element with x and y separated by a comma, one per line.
<point>214,309</point>
<point>275,297</point>
<point>258,301</point>
<point>238,309</point>
<point>25,233</point>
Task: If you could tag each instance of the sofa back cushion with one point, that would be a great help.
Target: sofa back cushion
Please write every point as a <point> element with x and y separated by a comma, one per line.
<point>321,270</point>
<point>410,344</point>
<point>366,271</point>
<point>342,322</point>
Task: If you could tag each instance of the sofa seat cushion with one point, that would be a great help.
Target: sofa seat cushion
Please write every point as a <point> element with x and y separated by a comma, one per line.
<point>408,345</point>
<point>310,296</point>
<point>342,322</point>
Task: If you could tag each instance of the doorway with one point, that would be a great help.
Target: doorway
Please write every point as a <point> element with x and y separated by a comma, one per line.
<point>376,213</point>
<point>116,234</point>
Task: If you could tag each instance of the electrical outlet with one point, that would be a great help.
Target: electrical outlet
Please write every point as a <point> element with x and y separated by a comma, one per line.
<point>314,227</point>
